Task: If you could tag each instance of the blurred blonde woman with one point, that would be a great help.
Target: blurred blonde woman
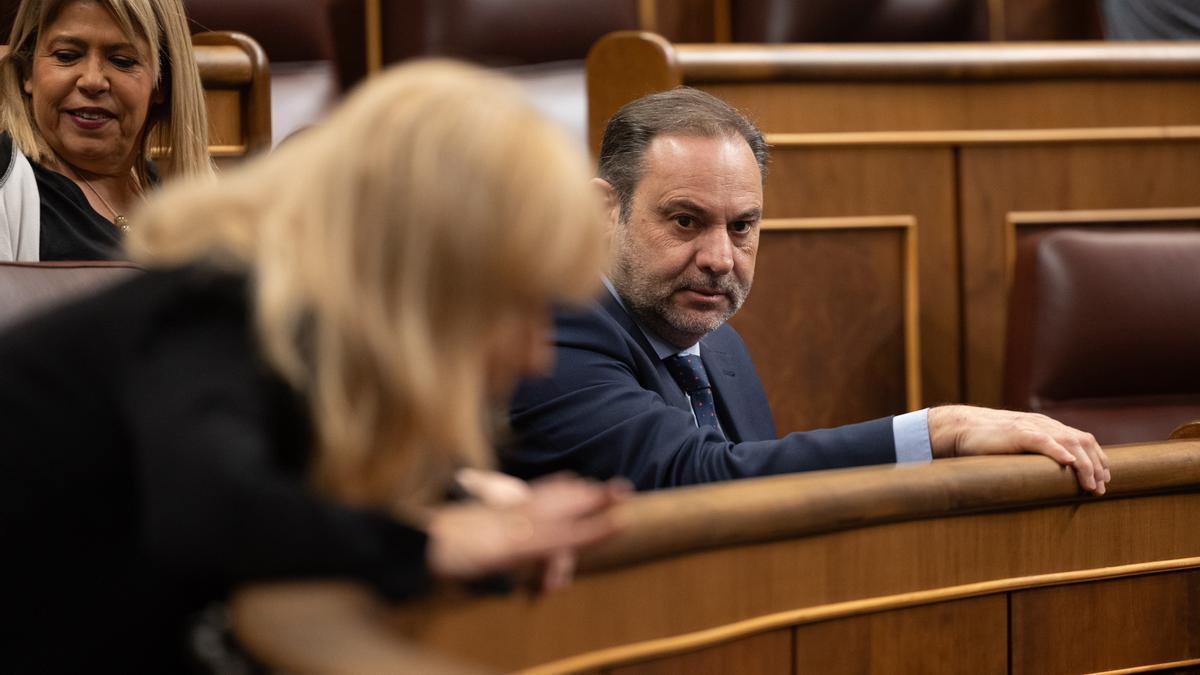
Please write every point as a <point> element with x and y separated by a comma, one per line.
<point>87,90</point>
<point>288,389</point>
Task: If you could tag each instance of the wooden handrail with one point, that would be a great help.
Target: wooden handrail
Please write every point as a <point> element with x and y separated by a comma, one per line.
<point>671,522</point>
<point>973,61</point>
<point>1187,431</point>
<point>709,63</point>
<point>811,544</point>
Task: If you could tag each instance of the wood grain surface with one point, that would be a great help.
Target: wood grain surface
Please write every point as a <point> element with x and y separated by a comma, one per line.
<point>696,568</point>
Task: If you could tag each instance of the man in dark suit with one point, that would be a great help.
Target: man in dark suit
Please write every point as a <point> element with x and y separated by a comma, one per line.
<point>653,385</point>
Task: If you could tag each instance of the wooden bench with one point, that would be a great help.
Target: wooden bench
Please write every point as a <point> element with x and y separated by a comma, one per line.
<point>980,565</point>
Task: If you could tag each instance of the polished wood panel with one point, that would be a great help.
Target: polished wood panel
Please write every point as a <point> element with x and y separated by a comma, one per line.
<point>764,654</point>
<point>999,180</point>
<point>858,181</point>
<point>966,636</point>
<point>225,129</point>
<point>699,567</point>
<point>833,320</point>
<point>373,31</point>
<point>1105,625</point>
<point>891,106</point>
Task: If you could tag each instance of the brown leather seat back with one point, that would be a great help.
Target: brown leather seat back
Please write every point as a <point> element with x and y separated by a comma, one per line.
<point>26,288</point>
<point>501,32</point>
<point>858,20</point>
<point>1104,331</point>
<point>288,30</point>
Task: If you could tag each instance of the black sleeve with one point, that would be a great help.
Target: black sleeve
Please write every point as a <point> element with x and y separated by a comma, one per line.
<point>215,499</point>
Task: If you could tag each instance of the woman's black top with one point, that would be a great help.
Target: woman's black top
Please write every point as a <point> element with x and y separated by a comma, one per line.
<point>70,228</point>
<point>149,462</point>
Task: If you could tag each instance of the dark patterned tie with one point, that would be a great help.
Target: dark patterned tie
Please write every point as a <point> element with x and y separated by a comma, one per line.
<point>688,371</point>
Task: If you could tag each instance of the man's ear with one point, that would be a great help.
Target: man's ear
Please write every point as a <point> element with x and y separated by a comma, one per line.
<point>612,204</point>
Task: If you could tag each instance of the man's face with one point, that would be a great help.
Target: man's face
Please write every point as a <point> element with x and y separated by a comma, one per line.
<point>684,259</point>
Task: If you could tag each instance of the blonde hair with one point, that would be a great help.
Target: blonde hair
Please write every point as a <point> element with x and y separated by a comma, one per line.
<point>179,124</point>
<point>384,247</point>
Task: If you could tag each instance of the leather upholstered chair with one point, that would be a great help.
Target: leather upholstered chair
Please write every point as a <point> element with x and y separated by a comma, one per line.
<point>542,43</point>
<point>500,32</point>
<point>858,20</point>
<point>1104,331</point>
<point>912,20</point>
<point>27,288</point>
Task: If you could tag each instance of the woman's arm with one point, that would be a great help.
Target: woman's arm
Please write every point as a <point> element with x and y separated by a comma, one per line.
<point>215,498</point>
<point>216,501</point>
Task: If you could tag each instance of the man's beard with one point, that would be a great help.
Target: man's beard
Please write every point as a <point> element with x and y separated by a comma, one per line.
<point>651,300</point>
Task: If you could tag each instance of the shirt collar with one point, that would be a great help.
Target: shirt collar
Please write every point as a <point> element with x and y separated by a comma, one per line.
<point>662,348</point>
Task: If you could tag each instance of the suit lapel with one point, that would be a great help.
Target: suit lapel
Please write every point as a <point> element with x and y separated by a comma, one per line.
<point>667,388</point>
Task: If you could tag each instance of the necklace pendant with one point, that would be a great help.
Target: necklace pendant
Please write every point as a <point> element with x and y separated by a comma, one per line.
<point>121,222</point>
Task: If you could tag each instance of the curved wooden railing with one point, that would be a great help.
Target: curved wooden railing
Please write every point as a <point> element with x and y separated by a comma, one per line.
<point>627,64</point>
<point>827,570</point>
<point>955,61</point>
<point>1187,431</point>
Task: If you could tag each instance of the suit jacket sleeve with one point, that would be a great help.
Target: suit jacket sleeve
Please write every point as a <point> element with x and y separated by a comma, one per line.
<point>605,412</point>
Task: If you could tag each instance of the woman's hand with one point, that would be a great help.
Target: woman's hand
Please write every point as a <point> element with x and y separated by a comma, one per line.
<point>517,524</point>
<point>493,488</point>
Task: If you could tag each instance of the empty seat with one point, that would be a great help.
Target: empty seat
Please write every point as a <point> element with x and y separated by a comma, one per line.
<point>1104,331</point>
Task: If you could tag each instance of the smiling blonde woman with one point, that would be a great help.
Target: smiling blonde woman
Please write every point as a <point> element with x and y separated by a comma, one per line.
<point>87,89</point>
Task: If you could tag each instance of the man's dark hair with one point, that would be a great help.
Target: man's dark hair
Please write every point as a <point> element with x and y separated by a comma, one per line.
<point>681,110</point>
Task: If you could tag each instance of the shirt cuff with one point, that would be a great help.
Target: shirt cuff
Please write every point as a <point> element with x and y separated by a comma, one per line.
<point>911,433</point>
